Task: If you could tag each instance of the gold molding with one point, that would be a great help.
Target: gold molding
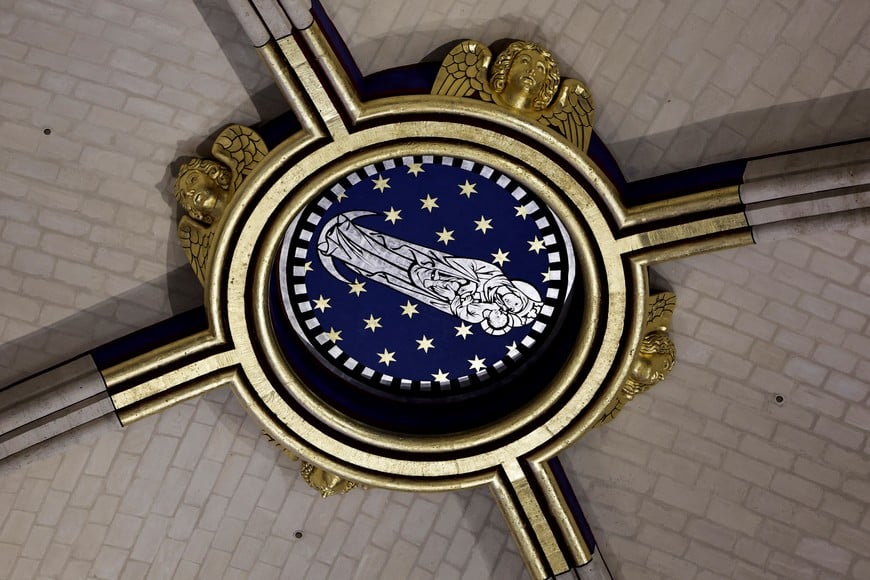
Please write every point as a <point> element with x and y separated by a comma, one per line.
<point>613,246</point>
<point>560,511</point>
<point>136,399</point>
<point>274,57</point>
<point>333,71</point>
<point>683,207</point>
<point>611,266</point>
<point>317,442</point>
<point>132,407</point>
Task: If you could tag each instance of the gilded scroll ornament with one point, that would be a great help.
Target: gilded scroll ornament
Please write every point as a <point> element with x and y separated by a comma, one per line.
<point>325,482</point>
<point>205,187</point>
<point>655,356</point>
<point>525,78</point>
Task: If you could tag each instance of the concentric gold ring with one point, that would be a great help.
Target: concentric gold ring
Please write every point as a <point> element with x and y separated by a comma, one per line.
<point>551,420</point>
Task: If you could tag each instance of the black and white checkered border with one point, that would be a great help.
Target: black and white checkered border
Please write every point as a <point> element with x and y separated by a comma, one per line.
<point>298,239</point>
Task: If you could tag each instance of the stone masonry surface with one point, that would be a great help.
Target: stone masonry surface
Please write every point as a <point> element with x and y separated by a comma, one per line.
<point>703,478</point>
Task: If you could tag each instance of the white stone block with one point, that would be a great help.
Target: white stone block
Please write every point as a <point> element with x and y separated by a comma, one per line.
<point>37,542</point>
<point>797,488</point>
<point>661,539</point>
<point>859,416</point>
<point>726,490</point>
<point>710,558</point>
<point>733,75</point>
<point>688,40</point>
<point>149,109</point>
<point>828,266</point>
<point>113,12</point>
<point>99,95</point>
<point>670,566</point>
<point>133,85</point>
<point>44,35</point>
<point>839,433</point>
<point>679,495</point>
<point>748,469</point>
<point>825,554</point>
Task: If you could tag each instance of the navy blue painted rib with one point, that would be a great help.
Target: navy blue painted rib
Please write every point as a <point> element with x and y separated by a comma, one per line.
<point>573,502</point>
<point>147,339</point>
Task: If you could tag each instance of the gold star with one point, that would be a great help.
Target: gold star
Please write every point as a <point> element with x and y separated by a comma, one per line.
<point>467,189</point>
<point>477,364</point>
<point>386,357</point>
<point>463,330</point>
<point>334,335</point>
<point>440,376</point>
<point>445,235</point>
<point>425,344</point>
<point>521,211</point>
<point>536,245</point>
<point>483,225</point>
<point>546,276</point>
<point>357,287</point>
<point>429,203</point>
<point>381,184</point>
<point>392,215</point>
<point>340,196</point>
<point>322,303</point>
<point>415,168</point>
<point>307,267</point>
<point>500,257</point>
<point>409,309</point>
<point>372,323</point>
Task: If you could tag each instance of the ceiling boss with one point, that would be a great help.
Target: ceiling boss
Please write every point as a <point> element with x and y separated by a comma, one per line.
<point>426,282</point>
<point>425,292</point>
<point>470,321</point>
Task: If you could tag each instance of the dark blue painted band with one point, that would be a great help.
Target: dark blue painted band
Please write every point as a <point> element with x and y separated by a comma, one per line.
<point>145,340</point>
<point>573,502</point>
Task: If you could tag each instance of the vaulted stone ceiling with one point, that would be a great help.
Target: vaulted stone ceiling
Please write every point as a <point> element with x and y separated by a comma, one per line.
<point>678,84</point>
<point>705,477</point>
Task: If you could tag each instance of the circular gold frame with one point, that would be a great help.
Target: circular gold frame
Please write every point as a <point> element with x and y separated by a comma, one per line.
<point>614,290</point>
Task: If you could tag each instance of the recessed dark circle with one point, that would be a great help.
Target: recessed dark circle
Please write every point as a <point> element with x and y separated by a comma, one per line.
<point>424,281</point>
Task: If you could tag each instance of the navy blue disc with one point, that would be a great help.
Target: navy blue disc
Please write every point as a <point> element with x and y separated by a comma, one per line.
<point>426,276</point>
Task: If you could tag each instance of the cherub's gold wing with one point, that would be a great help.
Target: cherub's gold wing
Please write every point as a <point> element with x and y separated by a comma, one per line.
<point>571,113</point>
<point>660,310</point>
<point>463,72</point>
<point>196,242</point>
<point>240,148</point>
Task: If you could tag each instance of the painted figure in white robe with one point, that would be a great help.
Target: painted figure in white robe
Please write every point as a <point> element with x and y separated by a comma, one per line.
<point>472,290</point>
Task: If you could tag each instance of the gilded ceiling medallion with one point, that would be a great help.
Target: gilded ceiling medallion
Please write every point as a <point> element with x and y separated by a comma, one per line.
<point>427,292</point>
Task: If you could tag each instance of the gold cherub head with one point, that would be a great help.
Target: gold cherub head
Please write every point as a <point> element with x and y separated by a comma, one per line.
<point>652,363</point>
<point>203,189</point>
<point>525,76</point>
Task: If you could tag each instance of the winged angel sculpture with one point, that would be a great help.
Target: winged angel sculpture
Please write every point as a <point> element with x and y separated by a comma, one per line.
<point>655,356</point>
<point>204,188</point>
<point>525,78</point>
